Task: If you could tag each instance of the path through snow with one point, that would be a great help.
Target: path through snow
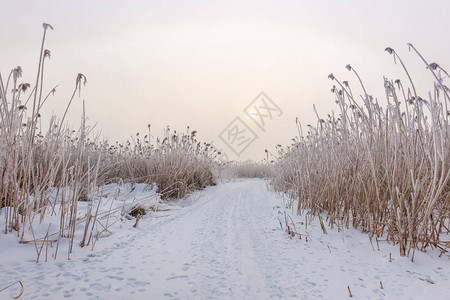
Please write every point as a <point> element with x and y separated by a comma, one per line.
<point>229,245</point>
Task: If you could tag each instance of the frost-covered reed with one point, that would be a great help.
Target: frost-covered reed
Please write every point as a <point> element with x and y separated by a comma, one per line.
<point>49,171</point>
<point>177,163</point>
<point>382,168</point>
<point>249,169</point>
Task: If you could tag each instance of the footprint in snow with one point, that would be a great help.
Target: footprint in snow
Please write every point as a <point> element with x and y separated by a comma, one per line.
<point>134,282</point>
<point>115,277</point>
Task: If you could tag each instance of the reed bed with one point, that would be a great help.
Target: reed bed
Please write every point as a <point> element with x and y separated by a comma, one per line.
<point>248,169</point>
<point>49,171</point>
<point>177,163</point>
<point>382,168</point>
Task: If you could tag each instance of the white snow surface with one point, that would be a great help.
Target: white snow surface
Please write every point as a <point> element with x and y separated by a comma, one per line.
<point>224,242</point>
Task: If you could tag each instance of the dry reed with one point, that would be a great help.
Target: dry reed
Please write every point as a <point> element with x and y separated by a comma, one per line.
<point>49,172</point>
<point>385,170</point>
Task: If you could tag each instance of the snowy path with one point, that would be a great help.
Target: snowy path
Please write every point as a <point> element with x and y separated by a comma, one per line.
<point>229,245</point>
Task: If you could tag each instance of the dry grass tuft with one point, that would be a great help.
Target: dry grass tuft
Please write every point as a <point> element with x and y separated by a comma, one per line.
<point>137,211</point>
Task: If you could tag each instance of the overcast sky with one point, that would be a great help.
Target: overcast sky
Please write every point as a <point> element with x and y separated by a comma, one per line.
<point>200,63</point>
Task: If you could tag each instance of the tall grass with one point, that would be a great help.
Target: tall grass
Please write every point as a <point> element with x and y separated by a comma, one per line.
<point>36,164</point>
<point>247,169</point>
<point>383,169</point>
<point>177,163</point>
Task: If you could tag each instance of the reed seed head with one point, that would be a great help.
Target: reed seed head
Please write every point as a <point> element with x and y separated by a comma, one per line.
<point>47,26</point>
<point>433,66</point>
<point>389,50</point>
<point>47,54</point>
<point>24,86</point>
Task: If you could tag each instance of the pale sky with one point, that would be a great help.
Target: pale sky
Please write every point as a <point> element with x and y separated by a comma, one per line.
<point>200,63</point>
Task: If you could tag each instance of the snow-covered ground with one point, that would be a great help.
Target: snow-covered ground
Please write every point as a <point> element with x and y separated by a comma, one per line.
<point>225,243</point>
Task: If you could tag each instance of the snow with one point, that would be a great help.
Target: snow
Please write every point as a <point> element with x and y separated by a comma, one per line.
<point>224,242</point>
